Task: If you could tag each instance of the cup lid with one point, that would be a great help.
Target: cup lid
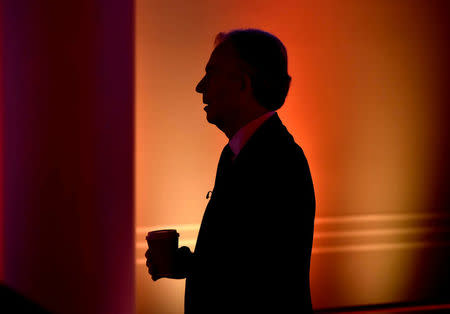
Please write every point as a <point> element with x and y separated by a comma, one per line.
<point>162,234</point>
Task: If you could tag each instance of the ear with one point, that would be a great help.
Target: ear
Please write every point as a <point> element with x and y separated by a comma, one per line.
<point>246,83</point>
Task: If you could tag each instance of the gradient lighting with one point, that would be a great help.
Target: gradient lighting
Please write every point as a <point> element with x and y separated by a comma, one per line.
<point>364,104</point>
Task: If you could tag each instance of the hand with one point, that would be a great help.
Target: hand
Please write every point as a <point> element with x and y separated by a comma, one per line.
<point>151,270</point>
<point>182,261</point>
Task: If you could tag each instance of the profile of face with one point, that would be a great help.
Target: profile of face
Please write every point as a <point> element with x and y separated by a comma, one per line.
<point>222,86</point>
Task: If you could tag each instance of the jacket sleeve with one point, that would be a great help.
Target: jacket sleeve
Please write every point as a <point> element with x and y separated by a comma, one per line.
<point>183,262</point>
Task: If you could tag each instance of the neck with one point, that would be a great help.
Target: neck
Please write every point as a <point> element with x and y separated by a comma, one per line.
<point>242,120</point>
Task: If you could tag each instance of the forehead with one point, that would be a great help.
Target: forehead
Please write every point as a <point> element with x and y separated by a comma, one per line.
<point>223,56</point>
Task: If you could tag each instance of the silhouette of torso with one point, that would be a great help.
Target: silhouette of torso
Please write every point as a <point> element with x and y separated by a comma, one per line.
<point>254,245</point>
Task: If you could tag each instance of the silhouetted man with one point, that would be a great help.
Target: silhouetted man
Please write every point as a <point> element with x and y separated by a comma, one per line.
<point>254,245</point>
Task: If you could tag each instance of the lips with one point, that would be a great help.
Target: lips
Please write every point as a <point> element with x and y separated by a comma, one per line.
<point>206,103</point>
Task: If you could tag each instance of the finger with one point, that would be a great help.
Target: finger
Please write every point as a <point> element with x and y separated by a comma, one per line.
<point>184,250</point>
<point>151,271</point>
<point>154,276</point>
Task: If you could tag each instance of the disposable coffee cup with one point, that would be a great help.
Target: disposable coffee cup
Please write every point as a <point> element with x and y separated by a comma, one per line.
<point>163,245</point>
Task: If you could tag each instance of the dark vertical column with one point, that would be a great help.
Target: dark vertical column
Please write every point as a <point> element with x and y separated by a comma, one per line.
<point>68,153</point>
<point>2,237</point>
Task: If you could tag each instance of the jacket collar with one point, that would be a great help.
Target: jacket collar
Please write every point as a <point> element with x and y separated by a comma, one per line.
<point>265,136</point>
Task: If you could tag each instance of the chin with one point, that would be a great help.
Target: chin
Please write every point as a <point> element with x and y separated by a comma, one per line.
<point>213,120</point>
<point>209,116</point>
<point>210,119</point>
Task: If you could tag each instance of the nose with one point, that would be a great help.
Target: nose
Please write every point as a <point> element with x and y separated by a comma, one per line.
<point>200,86</point>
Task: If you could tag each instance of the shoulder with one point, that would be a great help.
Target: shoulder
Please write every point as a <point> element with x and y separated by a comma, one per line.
<point>283,150</point>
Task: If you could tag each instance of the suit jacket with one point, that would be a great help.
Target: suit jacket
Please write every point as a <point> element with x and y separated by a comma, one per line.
<point>254,245</point>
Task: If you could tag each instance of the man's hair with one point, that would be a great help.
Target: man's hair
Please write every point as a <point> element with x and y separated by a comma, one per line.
<point>265,60</point>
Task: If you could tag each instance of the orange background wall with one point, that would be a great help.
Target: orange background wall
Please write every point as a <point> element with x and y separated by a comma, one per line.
<point>369,106</point>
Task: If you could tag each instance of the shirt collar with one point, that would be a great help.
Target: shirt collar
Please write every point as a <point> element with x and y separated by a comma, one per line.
<point>241,137</point>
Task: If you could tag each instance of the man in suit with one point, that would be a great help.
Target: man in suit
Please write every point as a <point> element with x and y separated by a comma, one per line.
<point>254,245</point>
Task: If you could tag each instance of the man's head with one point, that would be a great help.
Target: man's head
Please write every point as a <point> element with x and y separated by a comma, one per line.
<point>246,76</point>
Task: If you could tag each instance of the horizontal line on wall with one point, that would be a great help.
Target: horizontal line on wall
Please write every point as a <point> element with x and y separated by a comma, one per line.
<point>384,232</point>
<point>376,232</point>
<point>324,220</point>
<point>379,247</point>
<point>381,217</point>
<point>364,248</point>
<point>345,234</point>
